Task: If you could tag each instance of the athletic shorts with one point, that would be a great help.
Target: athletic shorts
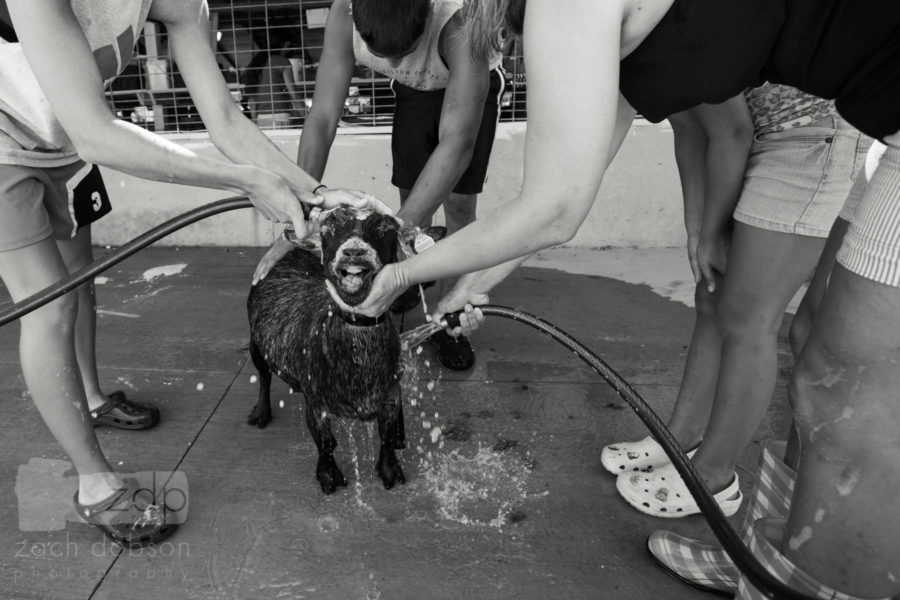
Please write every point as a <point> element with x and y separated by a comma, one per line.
<point>417,116</point>
<point>39,203</point>
<point>871,246</point>
<point>798,179</point>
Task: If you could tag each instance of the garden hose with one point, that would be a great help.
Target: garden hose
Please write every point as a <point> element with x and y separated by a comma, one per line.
<point>731,542</point>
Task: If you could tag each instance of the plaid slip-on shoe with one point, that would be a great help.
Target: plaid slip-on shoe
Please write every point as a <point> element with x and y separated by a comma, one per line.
<point>703,566</point>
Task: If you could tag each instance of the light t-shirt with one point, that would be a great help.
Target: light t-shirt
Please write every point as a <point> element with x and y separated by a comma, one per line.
<point>30,134</point>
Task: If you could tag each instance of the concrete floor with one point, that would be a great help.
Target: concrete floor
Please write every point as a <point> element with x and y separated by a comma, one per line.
<point>505,495</point>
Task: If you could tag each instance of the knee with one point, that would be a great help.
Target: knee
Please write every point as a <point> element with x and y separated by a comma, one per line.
<point>704,301</point>
<point>460,208</point>
<point>799,332</point>
<point>57,317</point>
<point>739,318</point>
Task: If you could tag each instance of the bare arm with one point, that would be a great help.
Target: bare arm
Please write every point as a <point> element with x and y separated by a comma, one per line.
<point>461,114</point>
<point>729,129</point>
<point>690,157</point>
<point>230,131</point>
<point>332,85</point>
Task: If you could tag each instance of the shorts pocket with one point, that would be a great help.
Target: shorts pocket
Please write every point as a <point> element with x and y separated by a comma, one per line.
<point>798,135</point>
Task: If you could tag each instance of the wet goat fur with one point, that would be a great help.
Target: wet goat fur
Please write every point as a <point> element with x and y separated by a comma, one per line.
<point>343,370</point>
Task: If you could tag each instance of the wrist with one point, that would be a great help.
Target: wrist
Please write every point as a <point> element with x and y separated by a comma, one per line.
<point>400,274</point>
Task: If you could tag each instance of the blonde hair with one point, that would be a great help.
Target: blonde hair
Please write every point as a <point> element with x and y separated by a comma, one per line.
<point>486,26</point>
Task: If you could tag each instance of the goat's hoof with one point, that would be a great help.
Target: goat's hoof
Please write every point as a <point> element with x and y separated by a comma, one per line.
<point>390,472</point>
<point>259,418</point>
<point>329,475</point>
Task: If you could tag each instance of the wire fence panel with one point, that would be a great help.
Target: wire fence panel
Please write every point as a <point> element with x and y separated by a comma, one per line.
<point>268,52</point>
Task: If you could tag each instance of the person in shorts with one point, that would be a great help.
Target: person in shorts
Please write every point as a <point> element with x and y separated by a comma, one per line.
<point>55,124</point>
<point>789,161</point>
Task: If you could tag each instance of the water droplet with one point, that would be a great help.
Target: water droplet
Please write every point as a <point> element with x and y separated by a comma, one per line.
<point>431,386</point>
<point>435,434</point>
<point>281,404</point>
<point>200,387</point>
<point>253,379</point>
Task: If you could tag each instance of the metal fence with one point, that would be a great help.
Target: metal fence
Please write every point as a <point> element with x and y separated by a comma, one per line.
<point>257,41</point>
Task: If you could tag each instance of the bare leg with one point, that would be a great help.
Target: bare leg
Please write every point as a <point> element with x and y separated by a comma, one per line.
<point>76,254</point>
<point>459,211</point>
<point>843,528</point>
<point>806,316</point>
<point>701,371</point>
<point>49,364</point>
<point>765,269</point>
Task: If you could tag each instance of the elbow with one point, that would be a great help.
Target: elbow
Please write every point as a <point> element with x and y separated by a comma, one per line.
<point>92,149</point>
<point>556,226</point>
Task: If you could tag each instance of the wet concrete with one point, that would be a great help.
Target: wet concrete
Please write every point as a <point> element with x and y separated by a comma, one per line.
<point>505,495</point>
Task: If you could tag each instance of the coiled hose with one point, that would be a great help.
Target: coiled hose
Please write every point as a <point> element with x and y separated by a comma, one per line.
<point>730,541</point>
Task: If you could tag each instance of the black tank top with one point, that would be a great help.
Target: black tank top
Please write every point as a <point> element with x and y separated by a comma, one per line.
<point>706,51</point>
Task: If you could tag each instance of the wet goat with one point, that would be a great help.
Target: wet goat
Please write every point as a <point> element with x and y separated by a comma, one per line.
<point>345,367</point>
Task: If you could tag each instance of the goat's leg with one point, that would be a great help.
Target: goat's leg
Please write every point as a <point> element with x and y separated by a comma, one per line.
<point>262,412</point>
<point>390,431</point>
<point>327,472</point>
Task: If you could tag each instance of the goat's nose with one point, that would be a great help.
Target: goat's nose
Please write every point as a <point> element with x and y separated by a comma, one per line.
<point>354,252</point>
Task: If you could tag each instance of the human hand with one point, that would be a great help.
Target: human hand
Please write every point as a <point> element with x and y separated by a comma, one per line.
<point>465,296</point>
<point>279,248</point>
<point>327,198</point>
<point>388,284</point>
<point>712,258</point>
<point>276,200</point>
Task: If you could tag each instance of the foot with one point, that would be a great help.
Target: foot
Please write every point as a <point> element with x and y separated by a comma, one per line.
<point>124,519</point>
<point>455,353</point>
<point>695,563</point>
<point>644,455</point>
<point>663,493</point>
<point>120,412</point>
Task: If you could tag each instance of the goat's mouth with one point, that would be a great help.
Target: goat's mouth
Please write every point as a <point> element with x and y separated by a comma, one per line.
<point>351,278</point>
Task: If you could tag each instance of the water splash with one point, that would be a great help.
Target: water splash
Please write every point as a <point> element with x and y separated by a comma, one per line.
<point>480,490</point>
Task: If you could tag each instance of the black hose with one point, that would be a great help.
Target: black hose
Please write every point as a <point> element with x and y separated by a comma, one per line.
<point>739,553</point>
<point>67,284</point>
<point>732,544</point>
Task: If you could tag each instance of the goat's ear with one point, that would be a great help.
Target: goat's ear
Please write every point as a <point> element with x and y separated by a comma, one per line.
<point>437,232</point>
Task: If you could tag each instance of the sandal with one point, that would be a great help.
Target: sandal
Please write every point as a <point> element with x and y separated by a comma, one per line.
<point>645,455</point>
<point>409,299</point>
<point>455,353</point>
<point>124,521</point>
<point>664,494</point>
<point>122,413</point>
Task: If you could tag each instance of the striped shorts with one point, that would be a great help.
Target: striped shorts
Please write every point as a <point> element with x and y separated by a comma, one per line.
<point>871,247</point>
